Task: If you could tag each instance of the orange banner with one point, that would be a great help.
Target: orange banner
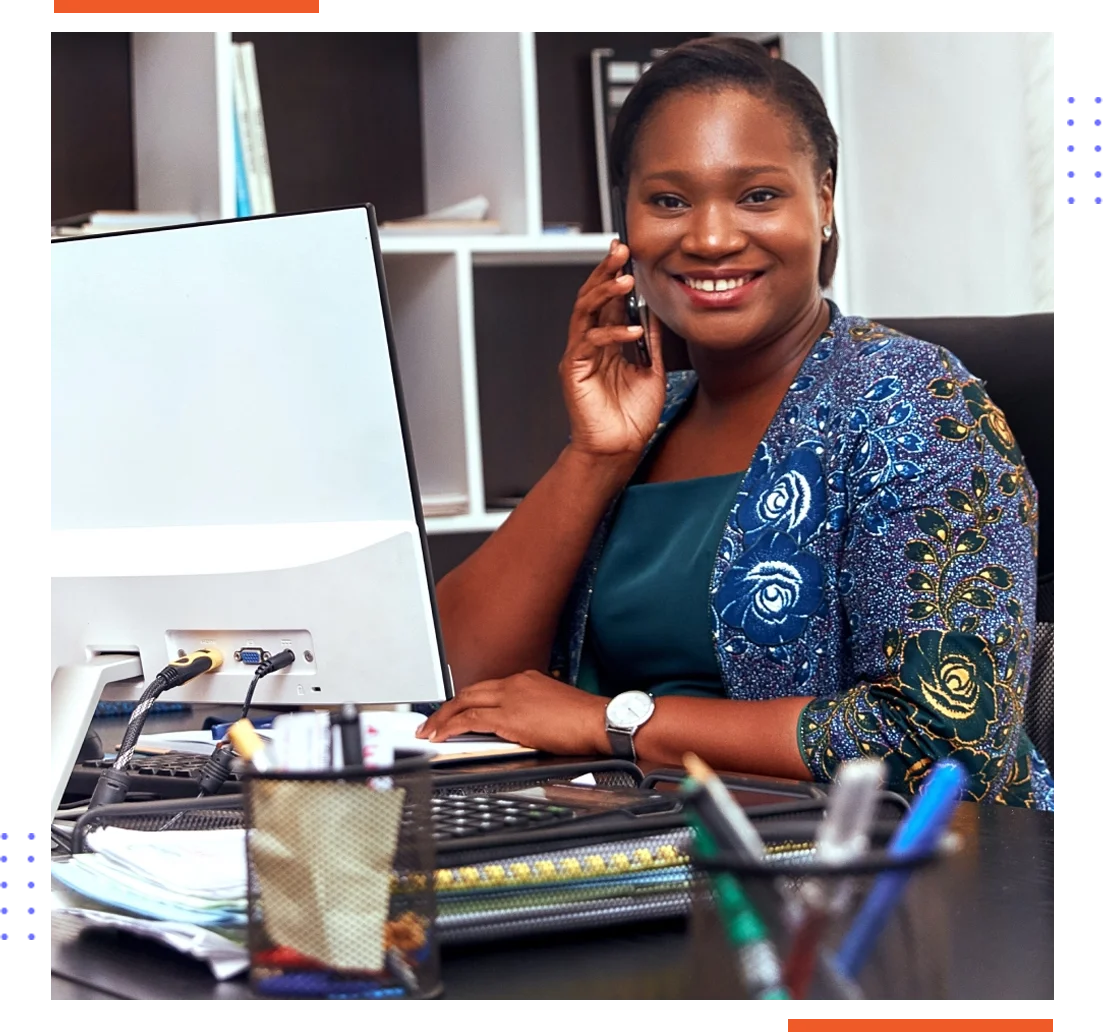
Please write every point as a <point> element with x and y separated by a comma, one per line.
<point>575,8</point>
<point>186,6</point>
<point>920,1025</point>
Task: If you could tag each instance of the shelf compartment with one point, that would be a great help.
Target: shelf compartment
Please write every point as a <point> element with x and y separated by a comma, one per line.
<point>423,290</point>
<point>521,316</point>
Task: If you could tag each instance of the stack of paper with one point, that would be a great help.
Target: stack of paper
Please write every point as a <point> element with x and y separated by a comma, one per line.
<point>194,877</point>
<point>396,727</point>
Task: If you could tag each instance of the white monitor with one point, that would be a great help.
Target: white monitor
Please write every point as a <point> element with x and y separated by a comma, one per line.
<point>231,466</point>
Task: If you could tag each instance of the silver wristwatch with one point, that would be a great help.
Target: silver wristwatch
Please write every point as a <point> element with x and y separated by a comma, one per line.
<point>624,716</point>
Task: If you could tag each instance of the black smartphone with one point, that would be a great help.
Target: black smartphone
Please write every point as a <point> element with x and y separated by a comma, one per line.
<point>639,351</point>
<point>596,800</point>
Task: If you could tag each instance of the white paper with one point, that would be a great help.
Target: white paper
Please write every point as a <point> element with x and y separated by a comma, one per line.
<point>223,956</point>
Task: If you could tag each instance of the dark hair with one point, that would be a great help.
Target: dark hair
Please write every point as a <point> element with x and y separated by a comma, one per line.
<point>721,61</point>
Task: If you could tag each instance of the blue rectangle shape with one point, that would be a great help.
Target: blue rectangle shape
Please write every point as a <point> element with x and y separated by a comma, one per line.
<point>1083,151</point>
<point>1083,175</point>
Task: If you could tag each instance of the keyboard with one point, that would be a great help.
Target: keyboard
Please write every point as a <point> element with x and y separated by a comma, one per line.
<point>168,776</point>
<point>457,817</point>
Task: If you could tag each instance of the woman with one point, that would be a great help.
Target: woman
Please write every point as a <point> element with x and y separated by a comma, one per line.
<point>817,545</point>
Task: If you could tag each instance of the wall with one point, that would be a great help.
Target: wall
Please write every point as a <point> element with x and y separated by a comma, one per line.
<point>946,168</point>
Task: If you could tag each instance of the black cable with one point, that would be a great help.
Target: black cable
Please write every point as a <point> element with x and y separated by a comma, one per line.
<point>113,783</point>
<point>213,774</point>
<point>269,666</point>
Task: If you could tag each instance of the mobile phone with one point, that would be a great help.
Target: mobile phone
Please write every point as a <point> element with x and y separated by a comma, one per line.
<point>637,352</point>
<point>592,801</point>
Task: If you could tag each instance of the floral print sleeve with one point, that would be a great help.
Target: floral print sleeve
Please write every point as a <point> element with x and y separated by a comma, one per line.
<point>935,583</point>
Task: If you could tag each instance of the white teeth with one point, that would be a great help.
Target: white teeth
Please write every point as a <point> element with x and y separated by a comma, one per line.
<point>709,286</point>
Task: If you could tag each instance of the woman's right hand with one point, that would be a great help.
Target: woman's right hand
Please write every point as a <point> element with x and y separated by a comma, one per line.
<point>614,406</point>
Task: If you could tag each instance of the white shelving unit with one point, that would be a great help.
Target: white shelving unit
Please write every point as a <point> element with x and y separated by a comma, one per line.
<point>480,135</point>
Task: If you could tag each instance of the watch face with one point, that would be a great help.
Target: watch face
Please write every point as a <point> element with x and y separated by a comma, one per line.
<point>630,709</point>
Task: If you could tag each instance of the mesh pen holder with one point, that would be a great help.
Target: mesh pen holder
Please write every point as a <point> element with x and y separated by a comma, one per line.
<point>910,955</point>
<point>340,883</point>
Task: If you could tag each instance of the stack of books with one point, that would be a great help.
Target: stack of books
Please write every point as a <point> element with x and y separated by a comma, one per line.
<point>93,222</point>
<point>253,174</point>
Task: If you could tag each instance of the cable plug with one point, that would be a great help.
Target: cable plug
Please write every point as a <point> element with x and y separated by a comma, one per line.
<point>182,670</point>
<point>111,787</point>
<point>274,663</point>
<point>215,771</point>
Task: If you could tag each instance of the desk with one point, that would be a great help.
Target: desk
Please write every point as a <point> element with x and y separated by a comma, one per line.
<point>998,896</point>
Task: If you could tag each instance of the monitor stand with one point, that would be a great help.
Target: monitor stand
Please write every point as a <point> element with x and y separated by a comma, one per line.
<point>74,692</point>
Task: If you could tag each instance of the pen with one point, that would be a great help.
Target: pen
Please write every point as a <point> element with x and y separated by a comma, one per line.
<point>917,834</point>
<point>713,831</point>
<point>352,747</point>
<point>843,836</point>
<point>249,745</point>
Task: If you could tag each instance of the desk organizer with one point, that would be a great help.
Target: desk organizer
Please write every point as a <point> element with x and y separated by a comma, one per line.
<point>340,883</point>
<point>910,956</point>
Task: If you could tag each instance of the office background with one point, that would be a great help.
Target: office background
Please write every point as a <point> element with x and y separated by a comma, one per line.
<point>945,193</point>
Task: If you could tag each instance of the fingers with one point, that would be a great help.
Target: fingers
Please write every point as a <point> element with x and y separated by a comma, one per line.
<point>484,695</point>
<point>482,720</point>
<point>590,307</point>
<point>606,269</point>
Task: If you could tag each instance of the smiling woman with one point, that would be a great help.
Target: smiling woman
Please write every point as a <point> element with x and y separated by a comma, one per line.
<point>817,544</point>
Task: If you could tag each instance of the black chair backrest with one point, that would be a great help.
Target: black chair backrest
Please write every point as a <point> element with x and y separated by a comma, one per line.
<point>1013,355</point>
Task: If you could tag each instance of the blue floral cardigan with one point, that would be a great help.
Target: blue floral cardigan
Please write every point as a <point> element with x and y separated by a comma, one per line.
<point>880,557</point>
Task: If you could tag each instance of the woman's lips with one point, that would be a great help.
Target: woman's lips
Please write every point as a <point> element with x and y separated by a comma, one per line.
<point>728,298</point>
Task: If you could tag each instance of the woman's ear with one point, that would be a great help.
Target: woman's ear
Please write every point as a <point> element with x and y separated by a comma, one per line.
<point>827,198</point>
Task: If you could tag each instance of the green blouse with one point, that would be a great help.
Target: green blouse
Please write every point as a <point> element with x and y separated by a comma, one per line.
<point>649,626</point>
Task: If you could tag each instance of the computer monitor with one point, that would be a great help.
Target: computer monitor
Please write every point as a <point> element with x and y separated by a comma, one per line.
<point>232,467</point>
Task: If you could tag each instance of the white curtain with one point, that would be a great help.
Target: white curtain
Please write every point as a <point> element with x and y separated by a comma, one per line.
<point>1037,51</point>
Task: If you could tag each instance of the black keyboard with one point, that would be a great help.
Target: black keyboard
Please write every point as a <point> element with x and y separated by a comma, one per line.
<point>168,775</point>
<point>456,817</point>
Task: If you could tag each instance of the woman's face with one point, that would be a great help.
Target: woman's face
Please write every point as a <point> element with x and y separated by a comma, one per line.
<point>725,218</point>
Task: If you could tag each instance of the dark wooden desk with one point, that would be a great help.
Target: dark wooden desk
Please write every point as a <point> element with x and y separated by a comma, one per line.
<point>996,894</point>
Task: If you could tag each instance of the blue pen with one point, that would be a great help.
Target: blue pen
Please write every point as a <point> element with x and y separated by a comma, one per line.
<point>918,833</point>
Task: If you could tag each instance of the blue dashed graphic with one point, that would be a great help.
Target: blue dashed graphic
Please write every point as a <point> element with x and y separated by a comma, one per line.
<point>20,873</point>
<point>1078,175</point>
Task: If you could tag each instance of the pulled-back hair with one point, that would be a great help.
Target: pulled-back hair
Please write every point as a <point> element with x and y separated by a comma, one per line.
<point>717,62</point>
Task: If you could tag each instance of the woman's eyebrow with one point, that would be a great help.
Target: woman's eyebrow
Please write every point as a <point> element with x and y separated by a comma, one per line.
<point>737,171</point>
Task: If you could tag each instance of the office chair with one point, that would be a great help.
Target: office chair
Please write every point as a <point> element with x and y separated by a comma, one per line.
<point>1014,356</point>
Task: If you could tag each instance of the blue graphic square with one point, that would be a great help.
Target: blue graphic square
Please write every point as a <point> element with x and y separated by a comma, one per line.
<point>20,873</point>
<point>1083,175</point>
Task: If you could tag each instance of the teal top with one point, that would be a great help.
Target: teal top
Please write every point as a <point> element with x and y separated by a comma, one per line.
<point>650,625</point>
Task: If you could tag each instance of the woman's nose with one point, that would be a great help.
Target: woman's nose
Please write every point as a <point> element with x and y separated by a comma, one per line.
<point>714,230</point>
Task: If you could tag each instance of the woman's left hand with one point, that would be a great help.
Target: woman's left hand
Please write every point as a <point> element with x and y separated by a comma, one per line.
<point>530,709</point>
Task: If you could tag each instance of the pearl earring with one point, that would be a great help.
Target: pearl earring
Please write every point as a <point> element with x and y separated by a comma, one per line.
<point>827,232</point>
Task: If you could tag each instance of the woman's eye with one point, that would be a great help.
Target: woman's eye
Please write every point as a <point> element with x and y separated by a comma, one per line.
<point>667,201</point>
<point>761,196</point>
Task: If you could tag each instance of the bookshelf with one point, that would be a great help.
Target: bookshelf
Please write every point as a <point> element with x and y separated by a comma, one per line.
<point>410,122</point>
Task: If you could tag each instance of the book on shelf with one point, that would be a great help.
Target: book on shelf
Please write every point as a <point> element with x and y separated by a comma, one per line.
<point>250,133</point>
<point>613,73</point>
<point>242,205</point>
<point>445,505</point>
<point>469,216</point>
<point>93,222</point>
